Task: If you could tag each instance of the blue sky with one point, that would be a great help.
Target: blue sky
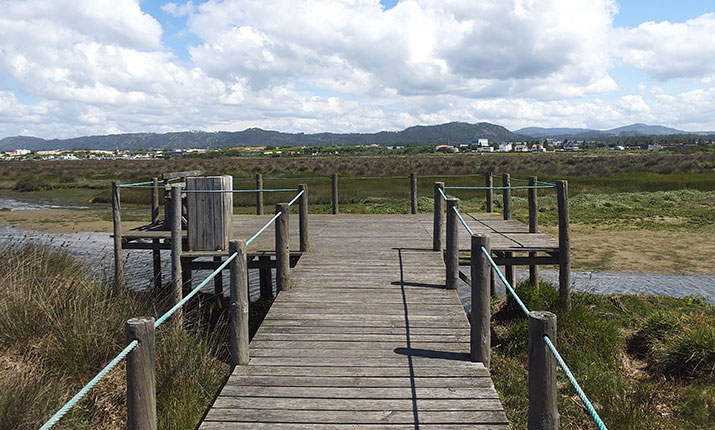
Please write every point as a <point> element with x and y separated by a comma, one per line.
<point>330,65</point>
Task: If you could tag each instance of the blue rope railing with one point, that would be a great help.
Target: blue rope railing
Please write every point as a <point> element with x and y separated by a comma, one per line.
<point>506,283</point>
<point>520,187</point>
<point>83,392</point>
<point>296,198</point>
<point>275,217</point>
<point>266,190</point>
<point>193,292</point>
<point>464,223</point>
<point>442,192</point>
<point>589,407</point>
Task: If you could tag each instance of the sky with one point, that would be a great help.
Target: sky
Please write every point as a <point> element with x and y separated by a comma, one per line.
<point>89,67</point>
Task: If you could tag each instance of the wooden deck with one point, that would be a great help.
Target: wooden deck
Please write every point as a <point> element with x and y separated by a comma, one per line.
<point>367,338</point>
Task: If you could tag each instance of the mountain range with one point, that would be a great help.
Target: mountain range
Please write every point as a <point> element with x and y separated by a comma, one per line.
<point>453,132</point>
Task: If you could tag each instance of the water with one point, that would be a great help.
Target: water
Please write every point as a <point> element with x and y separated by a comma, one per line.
<point>24,205</point>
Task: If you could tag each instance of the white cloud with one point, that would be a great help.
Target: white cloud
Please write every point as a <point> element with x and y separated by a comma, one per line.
<point>668,50</point>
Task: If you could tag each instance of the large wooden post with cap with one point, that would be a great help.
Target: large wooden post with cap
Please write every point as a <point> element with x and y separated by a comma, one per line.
<point>438,226</point>
<point>141,374</point>
<point>452,248</point>
<point>562,198</point>
<point>543,396</point>
<point>480,335</point>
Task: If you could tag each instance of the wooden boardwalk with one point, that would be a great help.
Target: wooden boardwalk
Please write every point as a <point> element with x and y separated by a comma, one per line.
<point>367,337</point>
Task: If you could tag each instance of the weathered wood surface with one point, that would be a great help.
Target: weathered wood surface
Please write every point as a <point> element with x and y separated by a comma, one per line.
<point>367,338</point>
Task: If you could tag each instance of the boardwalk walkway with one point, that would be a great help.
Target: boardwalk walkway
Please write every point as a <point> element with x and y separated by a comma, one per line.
<point>367,338</point>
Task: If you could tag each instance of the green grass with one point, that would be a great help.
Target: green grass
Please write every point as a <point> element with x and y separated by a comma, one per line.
<point>58,328</point>
<point>645,362</point>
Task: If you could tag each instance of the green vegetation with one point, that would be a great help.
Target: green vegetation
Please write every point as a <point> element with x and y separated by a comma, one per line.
<point>644,361</point>
<point>58,328</point>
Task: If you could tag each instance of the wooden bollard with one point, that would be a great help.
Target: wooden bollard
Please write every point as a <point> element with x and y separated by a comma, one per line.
<point>480,334</point>
<point>489,183</point>
<point>562,198</point>
<point>438,226</point>
<point>282,251</point>
<point>117,221</point>
<point>303,218</point>
<point>238,308</point>
<point>155,252</point>
<point>218,279</point>
<point>334,178</point>
<point>533,227</point>
<point>141,375</point>
<point>259,194</point>
<point>176,249</point>
<point>506,195</point>
<point>543,396</point>
<point>452,248</point>
<point>413,192</point>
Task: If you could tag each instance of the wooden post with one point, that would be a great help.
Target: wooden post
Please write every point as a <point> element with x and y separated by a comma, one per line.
<point>562,197</point>
<point>533,228</point>
<point>413,192</point>
<point>238,309</point>
<point>117,220</point>
<point>141,375</point>
<point>452,248</point>
<point>490,192</point>
<point>506,195</point>
<point>282,252</point>
<point>480,335</point>
<point>259,194</point>
<point>543,408</point>
<point>155,252</point>
<point>303,218</point>
<point>176,248</point>
<point>438,226</point>
<point>218,279</point>
<point>265,276</point>
<point>335,193</point>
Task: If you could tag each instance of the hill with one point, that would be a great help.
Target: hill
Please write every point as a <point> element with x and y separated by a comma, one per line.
<point>638,129</point>
<point>453,132</point>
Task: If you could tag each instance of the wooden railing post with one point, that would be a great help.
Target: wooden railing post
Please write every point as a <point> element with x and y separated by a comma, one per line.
<point>141,375</point>
<point>155,253</point>
<point>489,183</point>
<point>413,192</point>
<point>282,251</point>
<point>438,226</point>
<point>238,308</point>
<point>452,248</point>
<point>562,197</point>
<point>543,408</point>
<point>303,218</point>
<point>265,277</point>
<point>117,220</point>
<point>506,195</point>
<point>259,194</point>
<point>176,248</point>
<point>533,227</point>
<point>480,335</point>
<point>335,193</point>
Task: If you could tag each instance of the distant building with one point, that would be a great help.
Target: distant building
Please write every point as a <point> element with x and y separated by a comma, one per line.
<point>18,152</point>
<point>485,149</point>
<point>505,147</point>
<point>521,147</point>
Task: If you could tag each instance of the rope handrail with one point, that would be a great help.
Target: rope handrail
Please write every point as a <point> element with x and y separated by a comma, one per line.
<point>83,392</point>
<point>354,178</point>
<point>519,187</point>
<point>526,180</point>
<point>442,192</point>
<point>136,184</point>
<point>296,197</point>
<point>506,283</point>
<point>464,223</point>
<point>589,407</point>
<point>265,190</point>
<point>275,217</point>
<point>193,292</point>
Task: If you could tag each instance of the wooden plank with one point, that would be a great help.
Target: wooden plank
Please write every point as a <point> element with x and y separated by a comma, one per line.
<point>287,403</point>
<point>355,417</point>
<point>219,425</point>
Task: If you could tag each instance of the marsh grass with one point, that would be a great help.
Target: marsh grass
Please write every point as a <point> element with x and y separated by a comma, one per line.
<point>629,354</point>
<point>59,327</point>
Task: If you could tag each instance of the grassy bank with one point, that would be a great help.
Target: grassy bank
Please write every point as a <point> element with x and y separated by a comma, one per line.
<point>58,328</point>
<point>645,362</point>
